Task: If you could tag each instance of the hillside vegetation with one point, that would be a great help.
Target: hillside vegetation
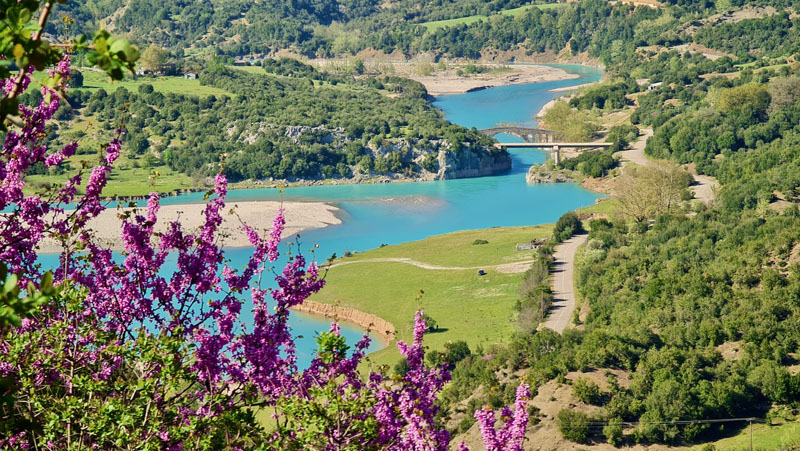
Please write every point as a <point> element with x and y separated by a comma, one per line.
<point>305,125</point>
<point>456,28</point>
<point>689,314</point>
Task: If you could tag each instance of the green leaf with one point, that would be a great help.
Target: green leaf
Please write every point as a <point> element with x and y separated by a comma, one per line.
<point>47,281</point>
<point>11,283</point>
<point>101,43</point>
<point>25,16</point>
<point>119,45</point>
<point>12,16</point>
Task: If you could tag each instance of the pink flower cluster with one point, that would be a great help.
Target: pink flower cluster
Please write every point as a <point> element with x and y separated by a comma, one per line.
<point>512,432</point>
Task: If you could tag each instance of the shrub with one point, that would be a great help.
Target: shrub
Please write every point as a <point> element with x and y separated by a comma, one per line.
<point>430,324</point>
<point>587,391</point>
<point>568,224</point>
<point>536,296</point>
<point>465,424</point>
<point>613,432</point>
<point>591,164</point>
<point>430,163</point>
<point>573,425</point>
<point>480,242</point>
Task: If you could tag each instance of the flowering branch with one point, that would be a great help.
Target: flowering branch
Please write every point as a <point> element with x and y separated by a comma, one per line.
<point>511,434</point>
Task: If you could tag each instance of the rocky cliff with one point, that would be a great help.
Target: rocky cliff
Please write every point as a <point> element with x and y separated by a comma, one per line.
<point>546,173</point>
<point>471,162</point>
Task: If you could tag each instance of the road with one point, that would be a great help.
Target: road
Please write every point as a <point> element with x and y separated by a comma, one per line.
<point>636,153</point>
<point>703,186</point>
<point>563,284</point>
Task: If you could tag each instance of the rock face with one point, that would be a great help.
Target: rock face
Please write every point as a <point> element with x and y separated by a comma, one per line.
<point>541,174</point>
<point>471,162</point>
<point>367,321</point>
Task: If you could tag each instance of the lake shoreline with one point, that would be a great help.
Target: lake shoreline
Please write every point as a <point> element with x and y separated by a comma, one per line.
<point>567,92</point>
<point>560,74</point>
<point>370,323</point>
<point>459,76</point>
<point>373,324</point>
<point>448,82</point>
<point>300,217</point>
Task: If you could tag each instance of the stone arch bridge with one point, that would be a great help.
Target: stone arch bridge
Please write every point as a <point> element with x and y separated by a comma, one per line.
<point>541,139</point>
<point>530,135</point>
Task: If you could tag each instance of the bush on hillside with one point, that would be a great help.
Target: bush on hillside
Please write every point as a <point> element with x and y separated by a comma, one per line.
<point>587,391</point>
<point>568,224</point>
<point>573,425</point>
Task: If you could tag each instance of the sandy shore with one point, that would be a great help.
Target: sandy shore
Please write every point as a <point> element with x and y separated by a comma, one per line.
<point>566,90</point>
<point>441,81</point>
<point>259,215</point>
<point>449,82</point>
<point>367,321</point>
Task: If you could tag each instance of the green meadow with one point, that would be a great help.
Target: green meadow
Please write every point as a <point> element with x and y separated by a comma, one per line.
<point>249,69</point>
<point>765,437</point>
<point>95,80</point>
<point>128,181</point>
<point>466,306</point>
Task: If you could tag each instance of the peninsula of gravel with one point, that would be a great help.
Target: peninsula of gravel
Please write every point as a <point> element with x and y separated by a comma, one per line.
<point>300,216</point>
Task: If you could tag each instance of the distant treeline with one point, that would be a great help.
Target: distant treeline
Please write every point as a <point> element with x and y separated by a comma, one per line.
<point>324,28</point>
<point>318,126</point>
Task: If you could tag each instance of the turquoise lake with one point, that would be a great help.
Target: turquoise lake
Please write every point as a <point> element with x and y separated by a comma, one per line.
<point>375,214</point>
<point>399,212</point>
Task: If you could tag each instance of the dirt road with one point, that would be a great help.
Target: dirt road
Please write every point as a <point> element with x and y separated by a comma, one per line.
<point>703,186</point>
<point>636,153</point>
<point>505,268</point>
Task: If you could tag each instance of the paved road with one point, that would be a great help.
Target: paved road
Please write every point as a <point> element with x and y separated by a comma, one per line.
<point>563,285</point>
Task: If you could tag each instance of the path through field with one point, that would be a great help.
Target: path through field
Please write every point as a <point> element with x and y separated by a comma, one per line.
<point>506,268</point>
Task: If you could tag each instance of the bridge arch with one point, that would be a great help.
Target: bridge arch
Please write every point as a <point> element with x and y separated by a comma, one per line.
<point>530,135</point>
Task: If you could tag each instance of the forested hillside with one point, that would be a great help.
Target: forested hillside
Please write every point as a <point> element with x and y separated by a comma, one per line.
<point>688,316</point>
<point>327,28</point>
<point>314,126</point>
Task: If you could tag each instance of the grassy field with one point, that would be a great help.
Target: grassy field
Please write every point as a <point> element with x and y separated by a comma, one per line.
<point>764,438</point>
<point>178,85</point>
<point>125,179</point>
<point>129,177</point>
<point>477,309</point>
<point>435,25</point>
<point>605,207</point>
<point>249,69</point>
